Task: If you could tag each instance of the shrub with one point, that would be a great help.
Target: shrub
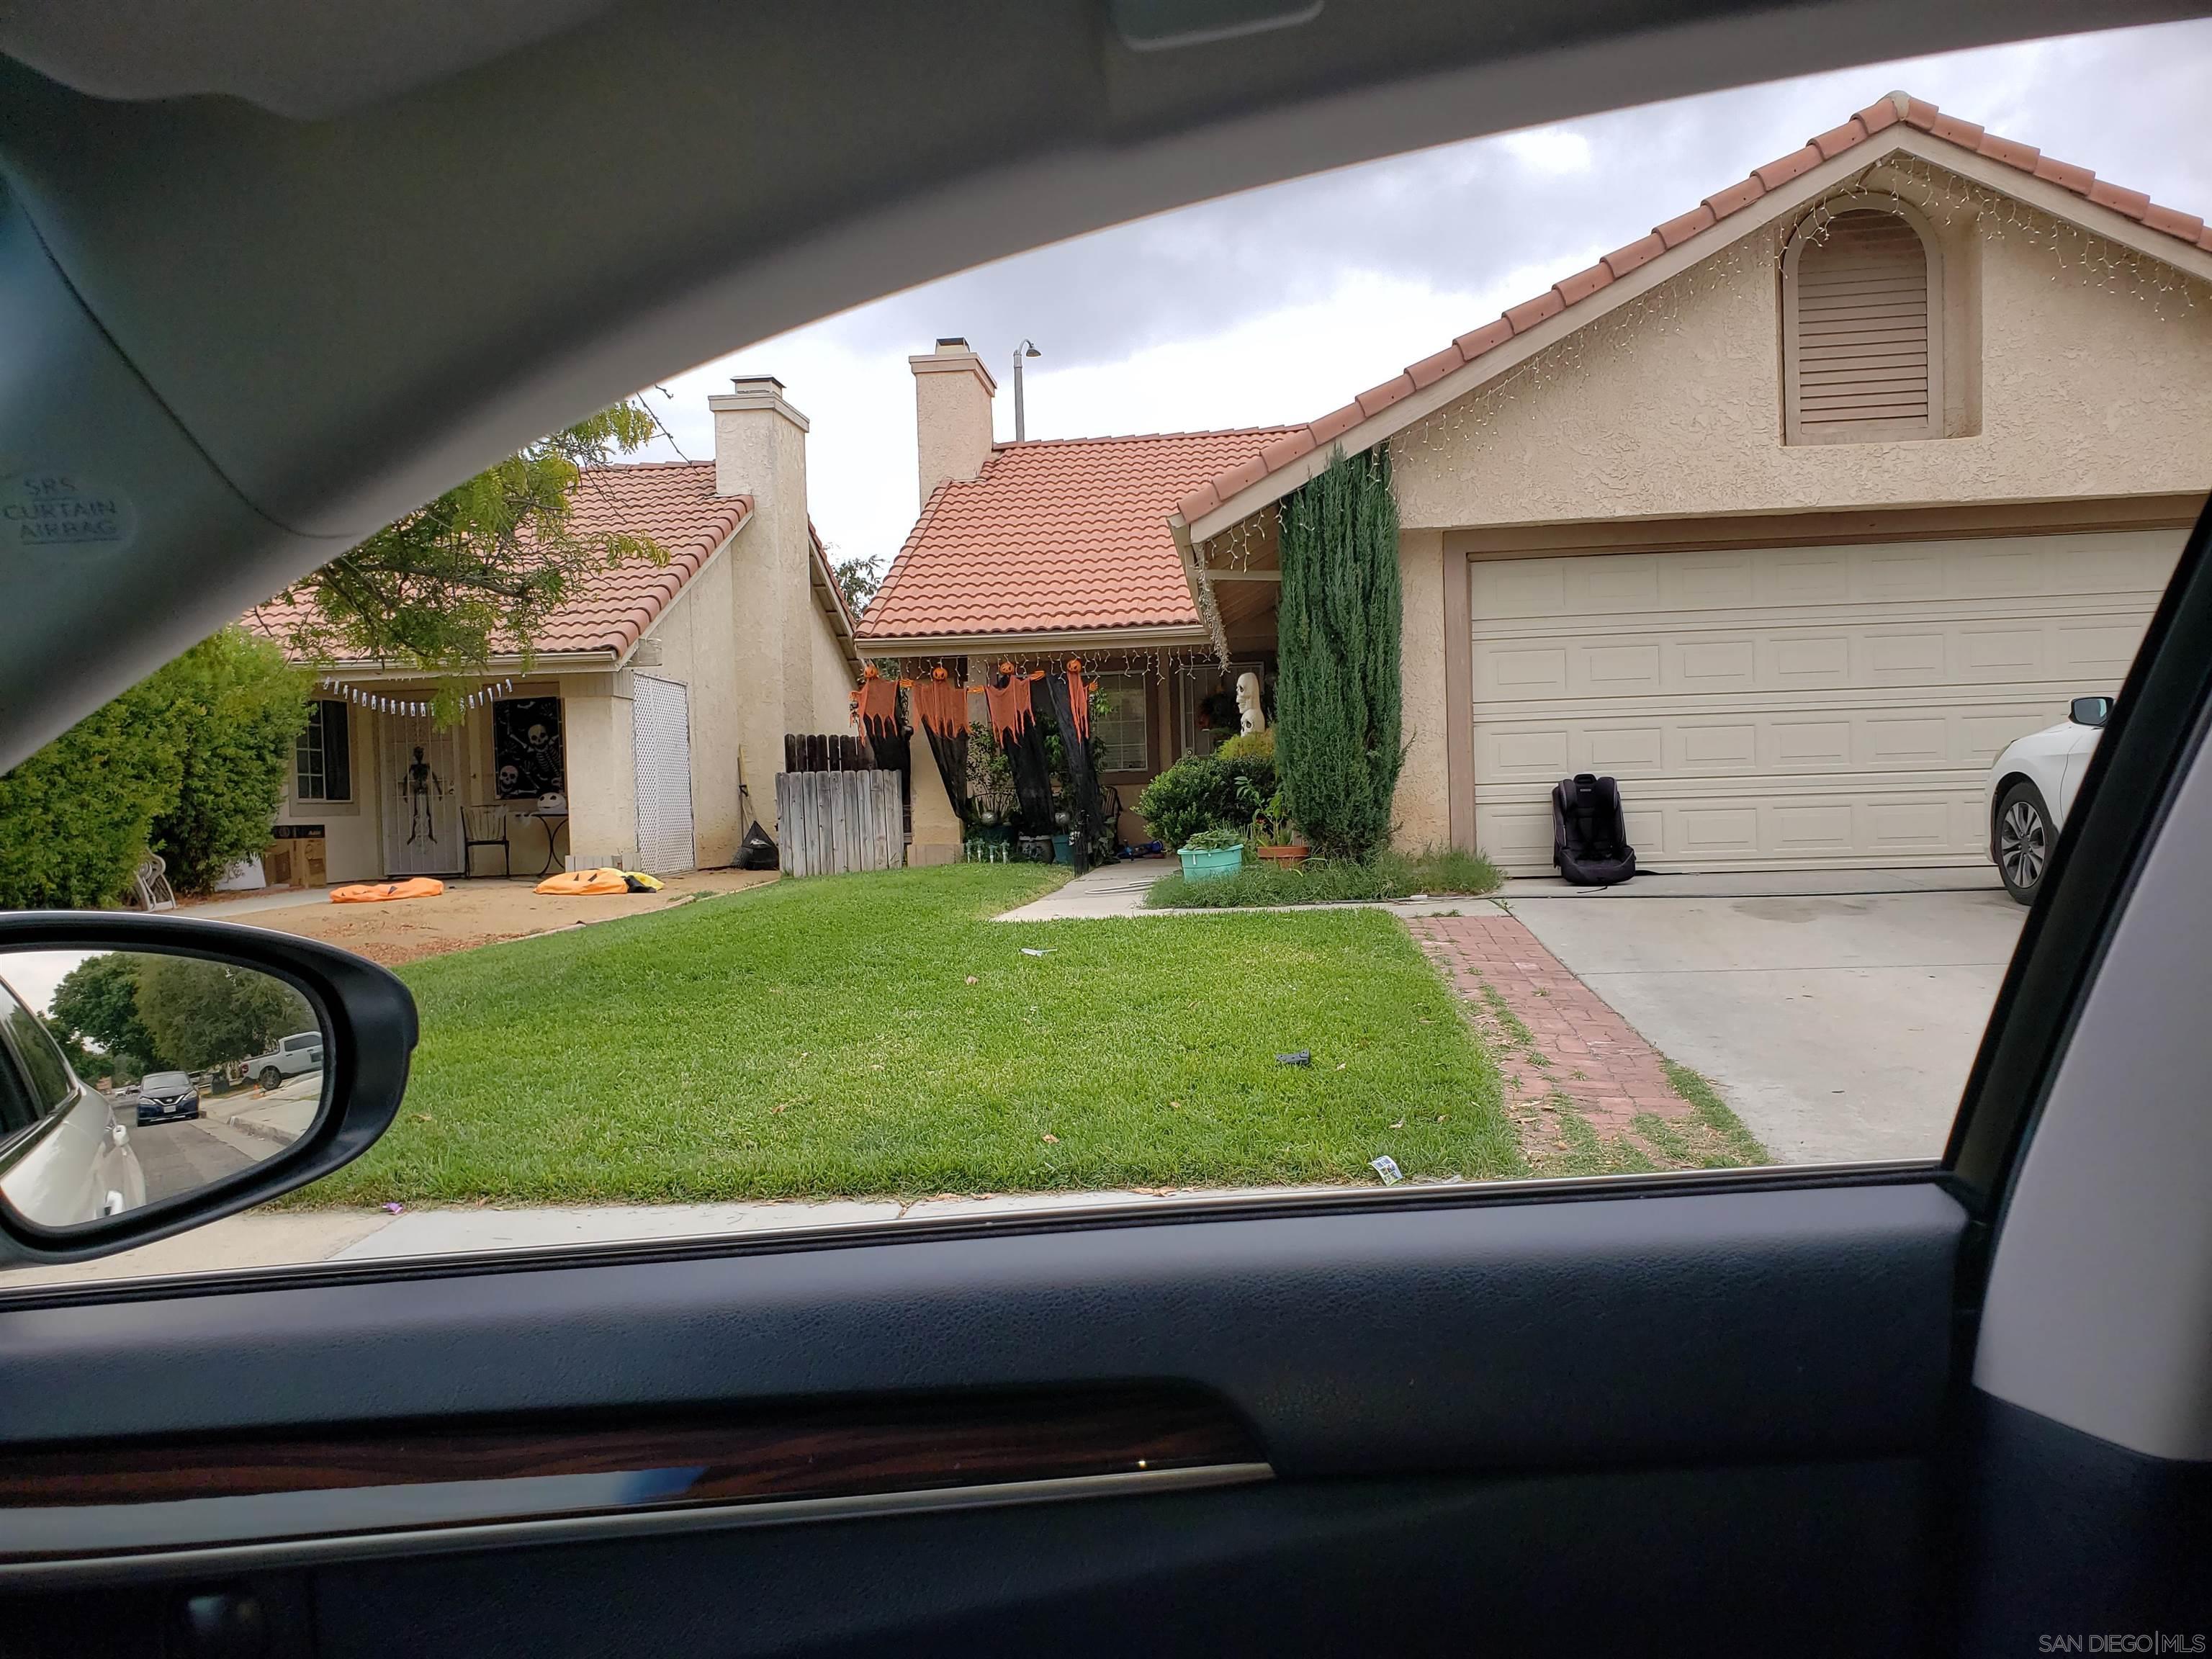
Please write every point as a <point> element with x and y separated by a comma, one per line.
<point>74,817</point>
<point>1339,632</point>
<point>1204,792</point>
<point>1217,840</point>
<point>1249,745</point>
<point>190,761</point>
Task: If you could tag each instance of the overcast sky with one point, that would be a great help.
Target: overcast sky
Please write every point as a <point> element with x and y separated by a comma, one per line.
<point>1280,304</point>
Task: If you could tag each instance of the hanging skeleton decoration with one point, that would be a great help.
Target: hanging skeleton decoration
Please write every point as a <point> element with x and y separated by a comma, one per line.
<point>940,709</point>
<point>424,789</point>
<point>1015,725</point>
<point>1070,711</point>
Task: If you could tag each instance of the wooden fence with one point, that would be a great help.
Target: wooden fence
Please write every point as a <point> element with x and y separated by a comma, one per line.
<point>833,822</point>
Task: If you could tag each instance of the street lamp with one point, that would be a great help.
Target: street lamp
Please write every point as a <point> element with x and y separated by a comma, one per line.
<point>1026,348</point>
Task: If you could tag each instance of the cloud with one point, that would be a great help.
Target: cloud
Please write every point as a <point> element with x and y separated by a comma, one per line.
<point>1279,303</point>
<point>1550,152</point>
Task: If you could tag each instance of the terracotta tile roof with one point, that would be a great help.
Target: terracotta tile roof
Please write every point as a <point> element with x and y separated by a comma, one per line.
<point>1055,535</point>
<point>673,502</point>
<point>1882,114</point>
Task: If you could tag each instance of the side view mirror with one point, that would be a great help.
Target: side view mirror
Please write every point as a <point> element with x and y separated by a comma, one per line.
<point>157,1073</point>
<point>2091,711</point>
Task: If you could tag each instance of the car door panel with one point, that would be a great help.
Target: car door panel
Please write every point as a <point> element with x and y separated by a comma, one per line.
<point>1579,1408</point>
<point>1825,1558</point>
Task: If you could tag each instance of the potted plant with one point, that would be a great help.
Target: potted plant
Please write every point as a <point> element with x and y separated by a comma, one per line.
<point>1211,855</point>
<point>1273,835</point>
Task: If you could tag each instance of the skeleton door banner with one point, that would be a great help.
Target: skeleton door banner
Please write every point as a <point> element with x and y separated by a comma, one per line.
<point>421,790</point>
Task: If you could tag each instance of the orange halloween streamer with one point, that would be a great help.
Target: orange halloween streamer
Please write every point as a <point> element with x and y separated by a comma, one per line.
<point>939,706</point>
<point>1011,710</point>
<point>1078,698</point>
<point>875,705</point>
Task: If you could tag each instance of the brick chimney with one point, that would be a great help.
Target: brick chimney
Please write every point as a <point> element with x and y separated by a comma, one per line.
<point>952,393</point>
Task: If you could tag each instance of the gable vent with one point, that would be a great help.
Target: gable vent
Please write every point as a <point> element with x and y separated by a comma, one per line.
<point>1861,332</point>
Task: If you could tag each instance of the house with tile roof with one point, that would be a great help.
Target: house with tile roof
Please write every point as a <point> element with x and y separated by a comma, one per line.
<point>655,694</point>
<point>1790,515</point>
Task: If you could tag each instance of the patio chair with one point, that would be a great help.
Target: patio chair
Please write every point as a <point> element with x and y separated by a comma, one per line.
<point>485,826</point>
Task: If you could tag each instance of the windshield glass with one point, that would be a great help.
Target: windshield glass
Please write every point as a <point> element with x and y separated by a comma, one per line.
<point>1548,657</point>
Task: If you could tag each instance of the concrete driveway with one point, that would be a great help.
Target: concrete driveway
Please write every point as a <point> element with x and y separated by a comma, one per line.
<point>1839,1020</point>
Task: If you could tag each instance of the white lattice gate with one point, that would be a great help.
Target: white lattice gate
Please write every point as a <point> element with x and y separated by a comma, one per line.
<point>661,717</point>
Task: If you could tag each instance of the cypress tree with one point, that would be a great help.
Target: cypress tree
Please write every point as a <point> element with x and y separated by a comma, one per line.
<point>1338,628</point>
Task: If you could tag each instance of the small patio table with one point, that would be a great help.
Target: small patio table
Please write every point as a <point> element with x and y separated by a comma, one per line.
<point>552,822</point>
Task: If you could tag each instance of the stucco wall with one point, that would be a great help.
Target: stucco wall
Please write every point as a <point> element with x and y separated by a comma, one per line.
<point>595,710</point>
<point>831,691</point>
<point>693,636</point>
<point>1421,810</point>
<point>2084,389</point>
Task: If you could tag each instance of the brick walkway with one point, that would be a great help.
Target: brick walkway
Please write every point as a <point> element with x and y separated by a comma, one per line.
<point>1575,1045</point>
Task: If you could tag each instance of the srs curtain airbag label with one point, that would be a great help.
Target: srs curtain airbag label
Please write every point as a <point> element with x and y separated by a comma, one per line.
<point>59,507</point>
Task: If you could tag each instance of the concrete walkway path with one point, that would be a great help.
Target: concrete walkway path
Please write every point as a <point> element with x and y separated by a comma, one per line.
<point>1118,890</point>
<point>1839,1025</point>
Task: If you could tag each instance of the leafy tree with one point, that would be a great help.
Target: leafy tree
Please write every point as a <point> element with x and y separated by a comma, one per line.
<point>1338,636</point>
<point>90,1064</point>
<point>475,571</point>
<point>239,708</point>
<point>97,1004</point>
<point>211,1013</point>
<point>858,579</point>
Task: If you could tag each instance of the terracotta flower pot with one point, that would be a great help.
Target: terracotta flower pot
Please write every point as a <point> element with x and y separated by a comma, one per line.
<point>1294,854</point>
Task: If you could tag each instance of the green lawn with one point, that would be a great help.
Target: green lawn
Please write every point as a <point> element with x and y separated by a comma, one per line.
<point>879,1035</point>
<point>1389,875</point>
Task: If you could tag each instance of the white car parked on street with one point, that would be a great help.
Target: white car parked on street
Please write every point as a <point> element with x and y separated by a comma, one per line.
<point>2032,787</point>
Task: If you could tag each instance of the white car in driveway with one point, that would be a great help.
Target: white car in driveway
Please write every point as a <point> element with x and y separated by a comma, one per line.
<point>2032,787</point>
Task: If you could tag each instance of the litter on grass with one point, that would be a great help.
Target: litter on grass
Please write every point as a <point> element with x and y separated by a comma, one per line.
<point>1386,1167</point>
<point>1028,951</point>
<point>1303,1057</point>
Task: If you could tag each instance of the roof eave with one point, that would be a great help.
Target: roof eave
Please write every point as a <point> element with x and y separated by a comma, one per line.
<point>1775,204</point>
<point>1136,637</point>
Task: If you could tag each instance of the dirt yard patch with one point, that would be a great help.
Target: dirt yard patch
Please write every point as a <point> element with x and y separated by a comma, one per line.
<point>468,913</point>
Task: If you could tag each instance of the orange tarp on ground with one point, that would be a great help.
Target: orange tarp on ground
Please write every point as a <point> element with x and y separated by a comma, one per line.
<point>580,883</point>
<point>382,892</point>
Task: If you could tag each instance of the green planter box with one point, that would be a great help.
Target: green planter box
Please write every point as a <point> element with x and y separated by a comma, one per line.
<point>1210,864</point>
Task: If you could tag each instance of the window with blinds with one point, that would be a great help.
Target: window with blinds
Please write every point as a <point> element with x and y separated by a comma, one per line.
<point>1862,358</point>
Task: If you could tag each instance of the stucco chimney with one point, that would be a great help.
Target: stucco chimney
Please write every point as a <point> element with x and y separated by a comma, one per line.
<point>952,393</point>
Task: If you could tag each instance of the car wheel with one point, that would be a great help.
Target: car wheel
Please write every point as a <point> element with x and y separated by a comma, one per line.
<point>2024,841</point>
<point>270,1077</point>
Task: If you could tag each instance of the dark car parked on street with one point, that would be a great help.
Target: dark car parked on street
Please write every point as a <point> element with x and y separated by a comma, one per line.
<point>167,1097</point>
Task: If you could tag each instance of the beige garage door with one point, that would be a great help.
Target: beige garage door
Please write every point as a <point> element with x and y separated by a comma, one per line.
<point>1791,708</point>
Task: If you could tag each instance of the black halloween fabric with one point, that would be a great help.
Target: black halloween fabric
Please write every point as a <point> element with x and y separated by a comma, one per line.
<point>940,709</point>
<point>1070,711</point>
<point>1021,736</point>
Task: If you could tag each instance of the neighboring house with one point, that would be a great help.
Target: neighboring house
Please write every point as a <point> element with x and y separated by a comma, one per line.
<point>1788,515</point>
<point>647,686</point>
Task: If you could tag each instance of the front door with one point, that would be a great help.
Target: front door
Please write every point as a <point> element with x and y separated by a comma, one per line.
<point>421,798</point>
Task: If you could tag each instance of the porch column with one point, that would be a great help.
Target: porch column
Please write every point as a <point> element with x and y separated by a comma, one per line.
<point>595,714</point>
<point>1421,810</point>
<point>936,828</point>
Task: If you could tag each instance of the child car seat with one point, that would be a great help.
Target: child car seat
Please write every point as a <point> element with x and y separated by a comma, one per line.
<point>1589,835</point>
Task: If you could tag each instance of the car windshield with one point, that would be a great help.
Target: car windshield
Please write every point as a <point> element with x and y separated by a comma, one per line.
<point>1546,657</point>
